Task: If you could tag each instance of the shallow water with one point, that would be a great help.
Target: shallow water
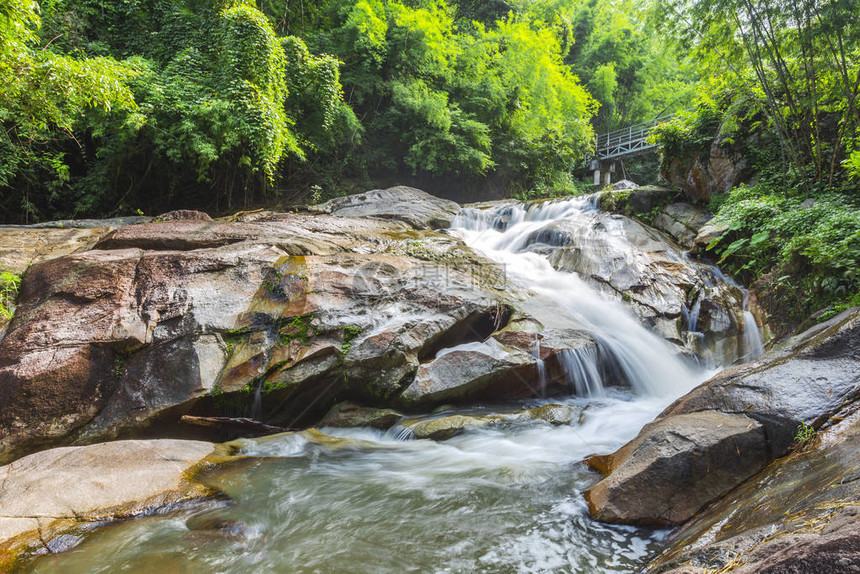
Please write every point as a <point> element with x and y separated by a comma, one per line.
<point>497,500</point>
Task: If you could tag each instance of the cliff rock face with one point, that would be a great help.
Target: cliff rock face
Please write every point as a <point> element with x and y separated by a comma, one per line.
<point>703,175</point>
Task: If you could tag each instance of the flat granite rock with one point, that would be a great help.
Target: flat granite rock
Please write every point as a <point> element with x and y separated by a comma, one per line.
<point>52,492</point>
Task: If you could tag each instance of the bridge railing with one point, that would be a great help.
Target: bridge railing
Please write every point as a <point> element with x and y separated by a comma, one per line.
<point>628,140</point>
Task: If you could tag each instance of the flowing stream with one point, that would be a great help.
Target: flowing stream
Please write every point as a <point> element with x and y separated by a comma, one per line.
<point>500,499</point>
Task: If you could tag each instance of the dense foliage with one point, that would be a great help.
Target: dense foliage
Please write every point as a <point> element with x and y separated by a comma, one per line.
<point>440,97</point>
<point>148,103</point>
<point>804,250</point>
<point>111,107</point>
<point>782,92</point>
<point>9,285</point>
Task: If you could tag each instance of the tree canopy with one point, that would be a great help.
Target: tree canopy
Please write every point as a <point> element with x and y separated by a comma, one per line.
<point>150,104</point>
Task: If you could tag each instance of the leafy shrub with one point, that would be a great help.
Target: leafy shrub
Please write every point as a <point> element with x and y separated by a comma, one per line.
<point>810,243</point>
<point>805,433</point>
<point>852,165</point>
<point>9,285</point>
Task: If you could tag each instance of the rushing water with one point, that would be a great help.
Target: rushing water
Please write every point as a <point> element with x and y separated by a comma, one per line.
<point>499,499</point>
<point>562,299</point>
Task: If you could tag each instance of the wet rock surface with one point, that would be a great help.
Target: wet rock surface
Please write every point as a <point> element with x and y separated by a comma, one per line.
<point>50,498</point>
<point>451,423</point>
<point>673,468</point>
<point>800,514</point>
<point>805,380</point>
<point>278,318</point>
<point>413,206</point>
<point>445,427</point>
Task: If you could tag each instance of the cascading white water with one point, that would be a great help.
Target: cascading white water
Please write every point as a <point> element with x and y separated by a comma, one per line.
<point>541,367</point>
<point>563,299</point>
<point>691,315</point>
<point>753,345</point>
<point>583,375</point>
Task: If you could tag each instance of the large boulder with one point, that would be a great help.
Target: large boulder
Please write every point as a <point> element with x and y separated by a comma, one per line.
<point>676,466</point>
<point>104,339</point>
<point>109,222</point>
<point>715,437</point>
<point>800,514</point>
<point>413,206</point>
<point>49,499</point>
<point>473,370</point>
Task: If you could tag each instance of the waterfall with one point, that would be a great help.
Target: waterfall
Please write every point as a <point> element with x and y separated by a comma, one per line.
<point>753,345</point>
<point>562,299</point>
<point>400,433</point>
<point>583,375</point>
<point>691,315</point>
<point>256,406</point>
<point>541,367</point>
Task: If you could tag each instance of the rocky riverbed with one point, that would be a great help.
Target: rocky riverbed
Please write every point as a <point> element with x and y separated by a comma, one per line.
<point>401,312</point>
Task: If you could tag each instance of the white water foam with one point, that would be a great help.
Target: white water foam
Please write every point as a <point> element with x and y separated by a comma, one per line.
<point>562,299</point>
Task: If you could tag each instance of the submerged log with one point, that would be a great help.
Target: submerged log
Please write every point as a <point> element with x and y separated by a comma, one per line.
<point>241,425</point>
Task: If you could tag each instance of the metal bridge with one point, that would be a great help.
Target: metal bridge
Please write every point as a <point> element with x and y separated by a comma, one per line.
<point>627,141</point>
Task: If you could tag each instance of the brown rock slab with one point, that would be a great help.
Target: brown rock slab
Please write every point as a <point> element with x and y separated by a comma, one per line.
<point>799,514</point>
<point>676,466</point>
<point>21,247</point>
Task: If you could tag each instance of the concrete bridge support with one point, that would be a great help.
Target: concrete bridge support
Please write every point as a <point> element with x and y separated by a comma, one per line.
<point>603,171</point>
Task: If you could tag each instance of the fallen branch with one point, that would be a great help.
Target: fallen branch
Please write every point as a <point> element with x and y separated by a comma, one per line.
<point>240,425</point>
